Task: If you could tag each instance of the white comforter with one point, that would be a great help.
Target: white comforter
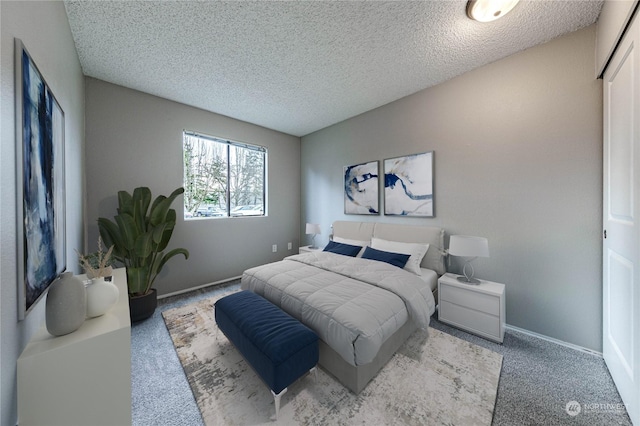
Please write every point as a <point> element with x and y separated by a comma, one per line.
<point>353,304</point>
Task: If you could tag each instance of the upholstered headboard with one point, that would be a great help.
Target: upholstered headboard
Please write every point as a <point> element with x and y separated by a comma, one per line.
<point>364,231</point>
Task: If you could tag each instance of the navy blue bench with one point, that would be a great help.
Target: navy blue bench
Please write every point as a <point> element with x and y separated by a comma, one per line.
<point>278,347</point>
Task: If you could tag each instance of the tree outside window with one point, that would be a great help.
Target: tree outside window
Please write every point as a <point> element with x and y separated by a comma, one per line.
<point>222,178</point>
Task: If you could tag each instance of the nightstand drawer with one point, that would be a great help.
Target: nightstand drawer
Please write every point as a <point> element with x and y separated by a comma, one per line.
<point>475,321</point>
<point>474,300</point>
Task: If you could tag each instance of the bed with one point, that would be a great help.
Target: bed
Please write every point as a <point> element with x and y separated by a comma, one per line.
<point>362,309</point>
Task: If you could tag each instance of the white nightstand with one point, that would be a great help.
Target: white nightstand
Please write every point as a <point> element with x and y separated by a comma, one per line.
<point>479,309</point>
<point>308,249</point>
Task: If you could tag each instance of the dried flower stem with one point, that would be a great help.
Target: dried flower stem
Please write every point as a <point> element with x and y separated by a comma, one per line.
<point>97,264</point>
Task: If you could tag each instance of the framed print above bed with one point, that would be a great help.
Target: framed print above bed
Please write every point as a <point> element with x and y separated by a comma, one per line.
<point>361,188</point>
<point>40,183</point>
<point>408,185</point>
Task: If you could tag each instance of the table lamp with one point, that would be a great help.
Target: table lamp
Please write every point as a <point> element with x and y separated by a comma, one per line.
<point>469,248</point>
<point>313,229</point>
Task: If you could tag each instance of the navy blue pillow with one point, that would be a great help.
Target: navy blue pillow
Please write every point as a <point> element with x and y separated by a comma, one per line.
<point>395,259</point>
<point>340,248</point>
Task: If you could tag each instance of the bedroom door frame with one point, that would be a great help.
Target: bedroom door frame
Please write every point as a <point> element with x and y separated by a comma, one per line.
<point>621,227</point>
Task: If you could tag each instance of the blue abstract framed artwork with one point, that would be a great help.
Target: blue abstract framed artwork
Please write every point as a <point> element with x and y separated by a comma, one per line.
<point>361,188</point>
<point>408,185</point>
<point>41,183</point>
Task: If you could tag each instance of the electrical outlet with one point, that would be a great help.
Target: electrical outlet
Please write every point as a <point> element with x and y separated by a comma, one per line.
<point>289,246</point>
<point>274,248</point>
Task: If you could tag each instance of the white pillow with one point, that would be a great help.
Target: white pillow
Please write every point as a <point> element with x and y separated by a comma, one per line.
<point>362,244</point>
<point>417,252</point>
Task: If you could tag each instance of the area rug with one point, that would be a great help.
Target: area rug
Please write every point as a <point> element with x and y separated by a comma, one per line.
<point>433,379</point>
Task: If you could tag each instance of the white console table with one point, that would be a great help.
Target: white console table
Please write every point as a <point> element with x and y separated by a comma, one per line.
<point>82,378</point>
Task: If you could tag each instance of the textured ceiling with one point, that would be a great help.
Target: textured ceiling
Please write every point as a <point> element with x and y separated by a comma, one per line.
<point>300,66</point>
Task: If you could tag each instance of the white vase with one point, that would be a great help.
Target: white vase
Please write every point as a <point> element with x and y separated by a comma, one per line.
<point>101,296</point>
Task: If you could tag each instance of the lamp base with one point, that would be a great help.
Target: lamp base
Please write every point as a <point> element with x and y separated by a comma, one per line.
<point>466,280</point>
<point>467,276</point>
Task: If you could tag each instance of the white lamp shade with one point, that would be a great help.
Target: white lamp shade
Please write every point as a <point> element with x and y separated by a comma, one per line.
<point>466,246</point>
<point>313,228</point>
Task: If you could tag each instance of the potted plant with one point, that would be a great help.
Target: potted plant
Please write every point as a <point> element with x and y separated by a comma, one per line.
<point>97,264</point>
<point>101,294</point>
<point>139,235</point>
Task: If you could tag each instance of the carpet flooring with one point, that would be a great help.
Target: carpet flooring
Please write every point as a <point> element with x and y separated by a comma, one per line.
<point>538,378</point>
<point>434,378</point>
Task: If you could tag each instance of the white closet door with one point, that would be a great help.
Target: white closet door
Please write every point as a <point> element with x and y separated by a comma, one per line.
<point>621,277</point>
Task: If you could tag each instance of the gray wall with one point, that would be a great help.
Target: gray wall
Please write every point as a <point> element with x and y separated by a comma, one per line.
<point>517,160</point>
<point>135,139</point>
<point>44,30</point>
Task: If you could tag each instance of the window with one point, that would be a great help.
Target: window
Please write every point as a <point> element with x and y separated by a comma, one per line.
<point>222,178</point>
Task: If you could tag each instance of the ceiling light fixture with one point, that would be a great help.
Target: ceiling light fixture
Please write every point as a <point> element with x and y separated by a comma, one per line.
<point>489,10</point>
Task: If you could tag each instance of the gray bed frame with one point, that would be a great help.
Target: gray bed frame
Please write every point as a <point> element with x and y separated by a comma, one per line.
<point>357,377</point>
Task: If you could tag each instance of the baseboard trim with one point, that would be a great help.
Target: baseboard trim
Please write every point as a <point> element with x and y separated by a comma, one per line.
<point>552,340</point>
<point>190,289</point>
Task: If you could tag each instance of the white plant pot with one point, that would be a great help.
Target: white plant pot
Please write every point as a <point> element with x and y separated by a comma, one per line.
<point>101,296</point>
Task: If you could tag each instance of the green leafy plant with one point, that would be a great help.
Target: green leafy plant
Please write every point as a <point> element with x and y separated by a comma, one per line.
<point>140,234</point>
<point>97,264</point>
